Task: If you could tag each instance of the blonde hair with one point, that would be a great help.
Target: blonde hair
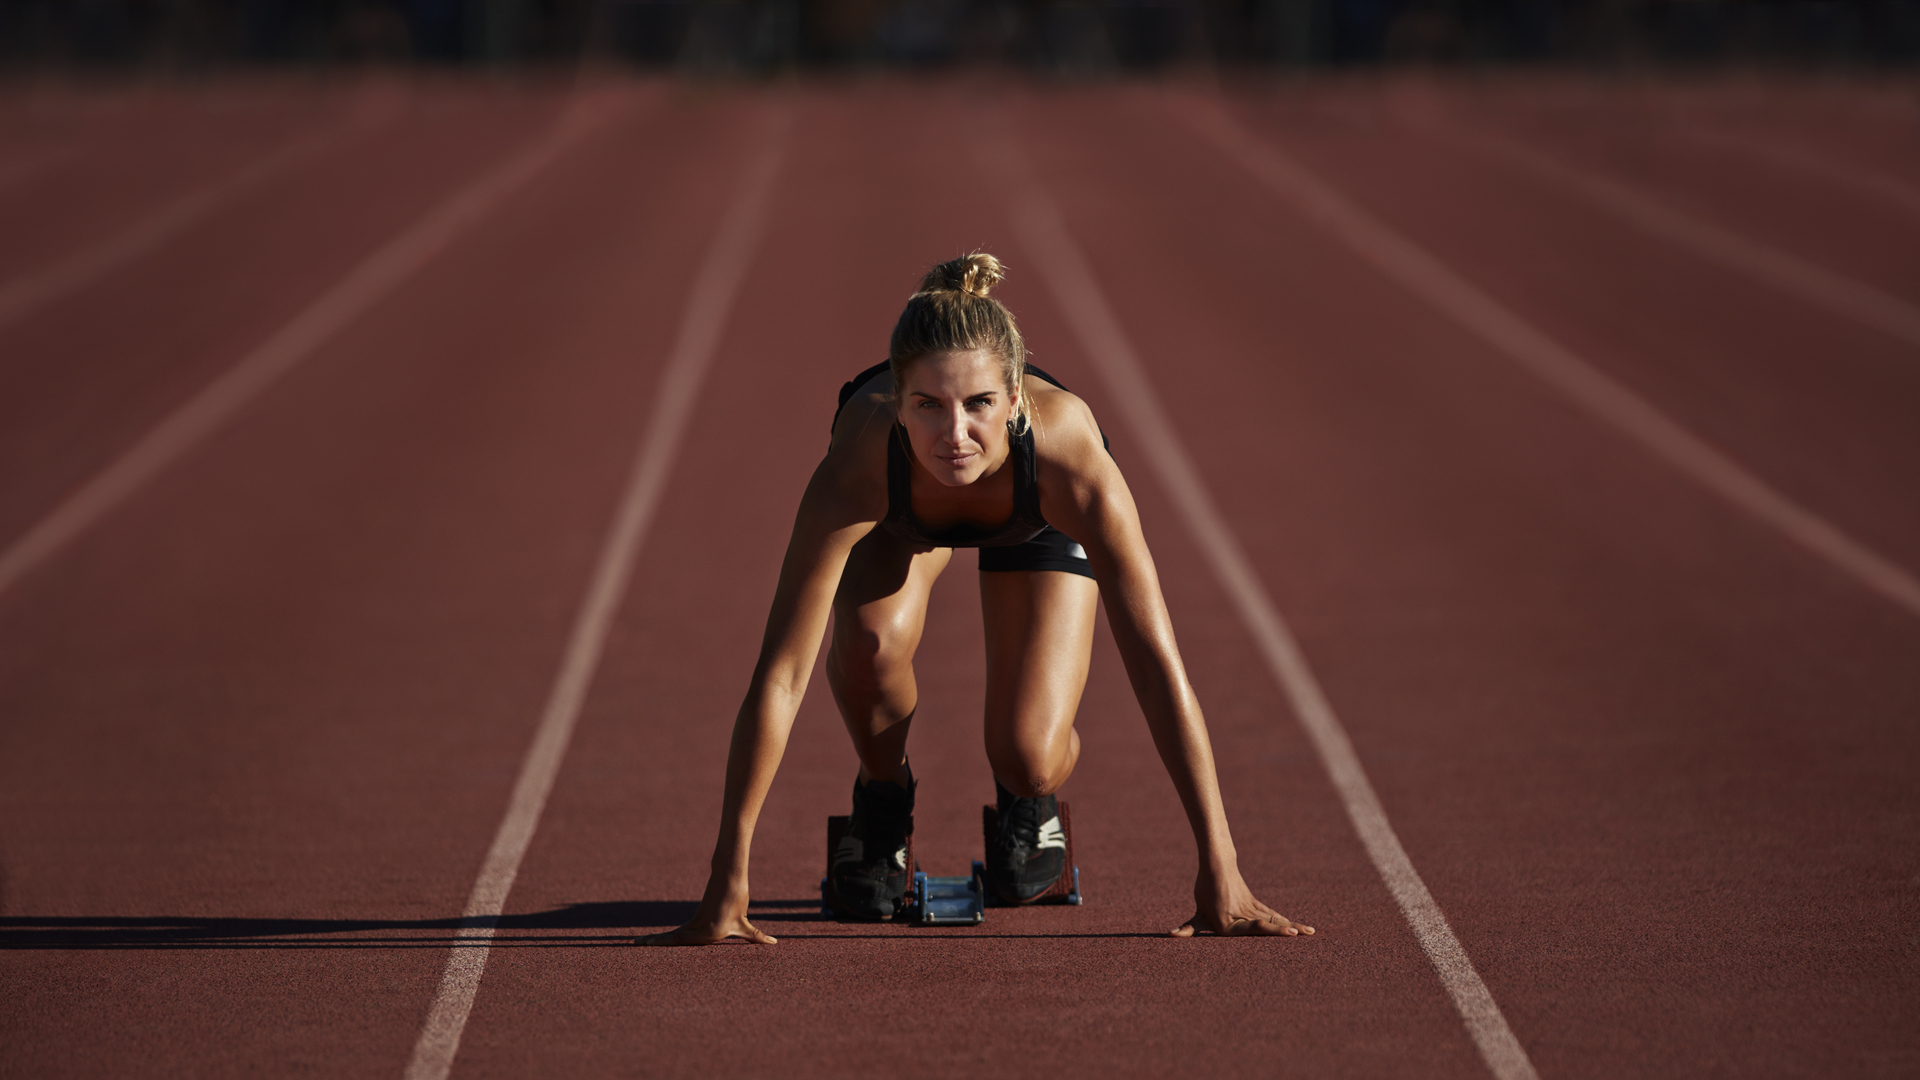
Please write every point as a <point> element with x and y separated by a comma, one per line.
<point>953,311</point>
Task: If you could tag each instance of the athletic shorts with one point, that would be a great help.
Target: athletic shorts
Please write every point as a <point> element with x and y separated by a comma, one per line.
<point>1050,549</point>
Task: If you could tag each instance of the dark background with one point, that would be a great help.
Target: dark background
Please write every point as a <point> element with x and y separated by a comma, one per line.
<point>1068,36</point>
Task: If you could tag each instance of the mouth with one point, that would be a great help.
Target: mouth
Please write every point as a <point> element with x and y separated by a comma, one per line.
<point>957,461</point>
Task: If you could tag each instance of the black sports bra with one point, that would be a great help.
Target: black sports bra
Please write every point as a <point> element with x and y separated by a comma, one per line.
<point>1024,525</point>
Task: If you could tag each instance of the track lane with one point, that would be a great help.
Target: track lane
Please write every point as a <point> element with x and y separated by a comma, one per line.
<point>1077,291</point>
<point>1582,690</point>
<point>710,301</point>
<point>92,263</point>
<point>1736,250</point>
<point>371,283</point>
<point>1813,405</point>
<point>1889,191</point>
<point>1863,122</point>
<point>22,164</point>
<point>83,381</point>
<point>1863,240</point>
<point>284,697</point>
<point>132,166</point>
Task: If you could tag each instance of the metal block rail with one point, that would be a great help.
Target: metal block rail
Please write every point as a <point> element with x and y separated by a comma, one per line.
<point>950,901</point>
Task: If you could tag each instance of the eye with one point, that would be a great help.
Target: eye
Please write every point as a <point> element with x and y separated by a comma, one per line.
<point>985,401</point>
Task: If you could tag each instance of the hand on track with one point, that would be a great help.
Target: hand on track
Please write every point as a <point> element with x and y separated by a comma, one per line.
<point>1227,908</point>
<point>708,930</point>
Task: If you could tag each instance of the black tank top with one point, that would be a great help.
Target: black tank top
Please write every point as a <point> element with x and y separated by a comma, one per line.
<point>1026,522</point>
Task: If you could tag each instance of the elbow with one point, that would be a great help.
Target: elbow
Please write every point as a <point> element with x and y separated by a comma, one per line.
<point>778,684</point>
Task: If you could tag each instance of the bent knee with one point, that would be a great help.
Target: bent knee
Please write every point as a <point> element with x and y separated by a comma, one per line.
<point>1033,787</point>
<point>1031,775</point>
<point>866,653</point>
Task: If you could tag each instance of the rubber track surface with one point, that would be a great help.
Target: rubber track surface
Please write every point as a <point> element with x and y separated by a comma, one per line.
<point>1658,766</point>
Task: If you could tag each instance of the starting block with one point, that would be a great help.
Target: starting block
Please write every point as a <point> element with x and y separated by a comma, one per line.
<point>930,901</point>
<point>1064,891</point>
<point>950,901</point>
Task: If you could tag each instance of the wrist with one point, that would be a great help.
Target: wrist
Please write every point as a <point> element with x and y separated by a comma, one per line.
<point>1219,858</point>
<point>727,874</point>
<point>1218,854</point>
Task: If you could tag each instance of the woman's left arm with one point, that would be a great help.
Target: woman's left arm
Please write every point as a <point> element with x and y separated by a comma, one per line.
<point>1084,496</point>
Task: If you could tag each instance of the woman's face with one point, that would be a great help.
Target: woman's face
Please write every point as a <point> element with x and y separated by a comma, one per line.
<point>955,407</point>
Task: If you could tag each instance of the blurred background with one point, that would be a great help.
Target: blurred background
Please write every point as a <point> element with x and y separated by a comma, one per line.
<point>1066,36</point>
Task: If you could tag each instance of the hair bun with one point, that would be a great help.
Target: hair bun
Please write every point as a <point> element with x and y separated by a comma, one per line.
<point>974,274</point>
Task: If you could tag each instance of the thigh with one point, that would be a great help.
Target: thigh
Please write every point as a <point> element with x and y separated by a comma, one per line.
<point>879,612</point>
<point>1039,628</point>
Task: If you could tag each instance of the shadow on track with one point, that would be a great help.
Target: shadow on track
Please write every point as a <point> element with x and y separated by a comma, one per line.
<point>230,932</point>
<point>623,918</point>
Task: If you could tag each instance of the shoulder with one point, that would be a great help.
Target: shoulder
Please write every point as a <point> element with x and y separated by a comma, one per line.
<point>1082,492</point>
<point>1065,433</point>
<point>854,471</point>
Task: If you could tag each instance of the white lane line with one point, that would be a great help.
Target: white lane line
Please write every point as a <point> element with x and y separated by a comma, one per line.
<point>1425,276</point>
<point>1790,274</point>
<point>365,285</point>
<point>1857,178</point>
<point>727,260</point>
<point>1043,233</point>
<point>28,292</point>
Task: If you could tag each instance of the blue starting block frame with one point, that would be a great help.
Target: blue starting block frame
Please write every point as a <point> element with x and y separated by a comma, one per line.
<point>950,901</point>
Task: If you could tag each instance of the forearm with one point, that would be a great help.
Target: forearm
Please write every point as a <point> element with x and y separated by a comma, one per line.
<point>809,575</point>
<point>1179,732</point>
<point>1092,504</point>
<point>760,732</point>
<point>1143,630</point>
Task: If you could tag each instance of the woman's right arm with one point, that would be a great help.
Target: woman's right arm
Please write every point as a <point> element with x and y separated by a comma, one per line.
<point>831,520</point>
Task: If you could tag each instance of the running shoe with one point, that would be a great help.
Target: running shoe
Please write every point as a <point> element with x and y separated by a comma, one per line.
<point>1028,852</point>
<point>870,866</point>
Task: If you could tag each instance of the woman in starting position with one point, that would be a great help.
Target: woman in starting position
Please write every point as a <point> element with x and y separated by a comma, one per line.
<point>956,442</point>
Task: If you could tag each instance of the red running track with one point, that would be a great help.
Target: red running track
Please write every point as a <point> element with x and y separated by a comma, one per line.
<point>258,727</point>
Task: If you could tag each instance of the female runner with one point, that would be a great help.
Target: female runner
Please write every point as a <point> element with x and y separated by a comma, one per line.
<point>957,442</point>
